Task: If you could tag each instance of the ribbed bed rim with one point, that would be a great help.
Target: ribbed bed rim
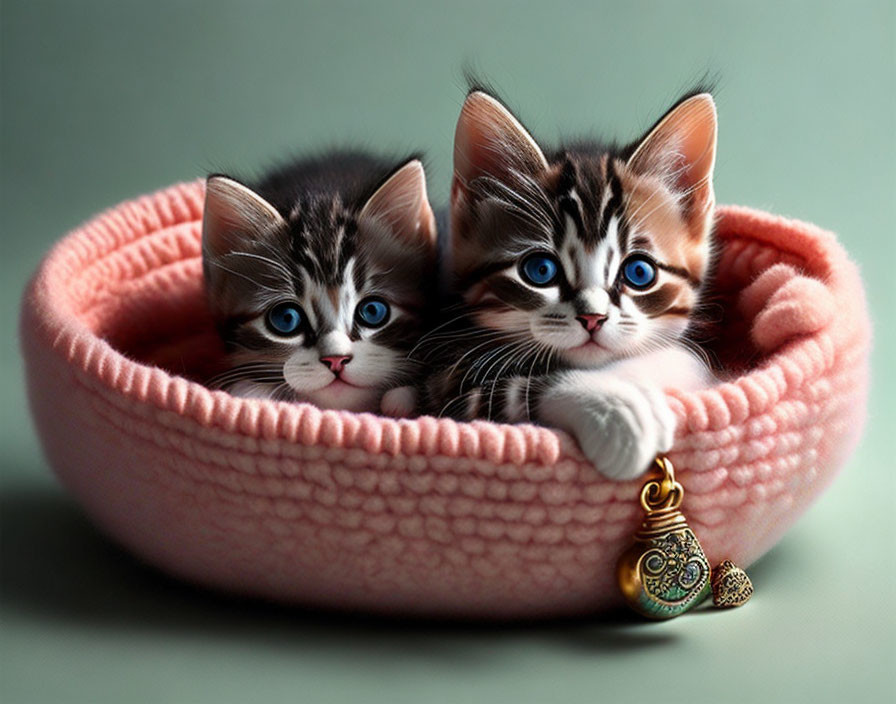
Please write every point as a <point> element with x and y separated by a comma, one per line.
<point>93,358</point>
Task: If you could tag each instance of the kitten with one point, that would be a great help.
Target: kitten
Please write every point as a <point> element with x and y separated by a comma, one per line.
<point>581,271</point>
<point>317,278</point>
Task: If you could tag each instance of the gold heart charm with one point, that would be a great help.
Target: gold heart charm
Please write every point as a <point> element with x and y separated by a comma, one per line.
<point>730,585</point>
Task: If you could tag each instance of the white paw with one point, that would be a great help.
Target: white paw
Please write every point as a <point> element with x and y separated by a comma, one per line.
<point>620,425</point>
<point>400,402</point>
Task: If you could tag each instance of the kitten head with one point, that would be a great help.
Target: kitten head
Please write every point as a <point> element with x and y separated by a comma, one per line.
<point>594,253</point>
<point>321,303</point>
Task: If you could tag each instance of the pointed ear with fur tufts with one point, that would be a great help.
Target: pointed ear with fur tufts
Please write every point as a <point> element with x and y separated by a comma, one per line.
<point>234,216</point>
<point>489,141</point>
<point>400,208</point>
<point>681,150</point>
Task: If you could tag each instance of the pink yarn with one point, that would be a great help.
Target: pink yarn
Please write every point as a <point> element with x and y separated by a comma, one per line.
<point>426,516</point>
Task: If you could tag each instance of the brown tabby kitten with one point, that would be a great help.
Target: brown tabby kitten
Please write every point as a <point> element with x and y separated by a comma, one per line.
<point>589,257</point>
<point>318,278</point>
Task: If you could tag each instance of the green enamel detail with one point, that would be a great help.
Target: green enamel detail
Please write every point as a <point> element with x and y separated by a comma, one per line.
<point>674,573</point>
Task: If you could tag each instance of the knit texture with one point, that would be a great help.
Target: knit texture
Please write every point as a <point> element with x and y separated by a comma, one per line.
<point>425,516</point>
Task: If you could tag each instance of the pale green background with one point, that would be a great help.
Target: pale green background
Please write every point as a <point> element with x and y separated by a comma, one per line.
<point>105,100</point>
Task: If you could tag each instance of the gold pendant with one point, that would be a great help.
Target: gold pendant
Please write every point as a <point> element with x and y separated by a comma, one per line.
<point>665,572</point>
<point>730,585</point>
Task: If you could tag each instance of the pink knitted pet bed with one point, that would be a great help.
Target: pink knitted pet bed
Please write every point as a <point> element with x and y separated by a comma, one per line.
<point>426,516</point>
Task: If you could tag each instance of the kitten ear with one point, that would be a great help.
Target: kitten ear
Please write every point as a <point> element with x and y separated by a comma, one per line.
<point>233,216</point>
<point>490,141</point>
<point>402,207</point>
<point>681,149</point>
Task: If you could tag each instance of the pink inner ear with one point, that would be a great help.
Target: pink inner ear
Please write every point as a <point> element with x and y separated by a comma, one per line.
<point>683,146</point>
<point>401,205</point>
<point>490,141</point>
<point>233,213</point>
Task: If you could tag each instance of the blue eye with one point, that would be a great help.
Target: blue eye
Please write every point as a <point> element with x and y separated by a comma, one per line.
<point>639,272</point>
<point>539,269</point>
<point>285,319</point>
<point>372,312</point>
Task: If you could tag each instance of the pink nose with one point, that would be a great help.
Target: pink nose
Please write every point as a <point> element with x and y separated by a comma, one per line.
<point>336,363</point>
<point>592,321</point>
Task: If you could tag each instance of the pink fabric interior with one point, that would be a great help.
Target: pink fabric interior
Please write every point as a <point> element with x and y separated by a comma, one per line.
<point>285,501</point>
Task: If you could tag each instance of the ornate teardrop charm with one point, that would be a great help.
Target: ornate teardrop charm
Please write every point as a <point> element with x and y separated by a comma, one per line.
<point>664,573</point>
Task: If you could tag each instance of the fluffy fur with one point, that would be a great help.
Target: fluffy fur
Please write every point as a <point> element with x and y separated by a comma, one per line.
<point>587,344</point>
<point>291,264</point>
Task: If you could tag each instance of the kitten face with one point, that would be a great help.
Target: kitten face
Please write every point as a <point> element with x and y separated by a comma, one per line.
<point>592,254</point>
<point>321,304</point>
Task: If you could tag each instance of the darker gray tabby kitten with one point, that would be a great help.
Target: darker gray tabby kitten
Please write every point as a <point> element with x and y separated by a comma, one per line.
<point>317,278</point>
<point>581,271</point>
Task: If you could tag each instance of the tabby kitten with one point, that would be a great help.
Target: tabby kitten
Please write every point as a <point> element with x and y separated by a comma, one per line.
<point>317,278</point>
<point>581,271</point>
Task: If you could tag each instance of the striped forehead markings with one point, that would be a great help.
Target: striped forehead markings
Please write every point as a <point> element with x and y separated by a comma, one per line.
<point>612,201</point>
<point>323,239</point>
<point>608,199</point>
<point>570,245</point>
<point>570,207</point>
